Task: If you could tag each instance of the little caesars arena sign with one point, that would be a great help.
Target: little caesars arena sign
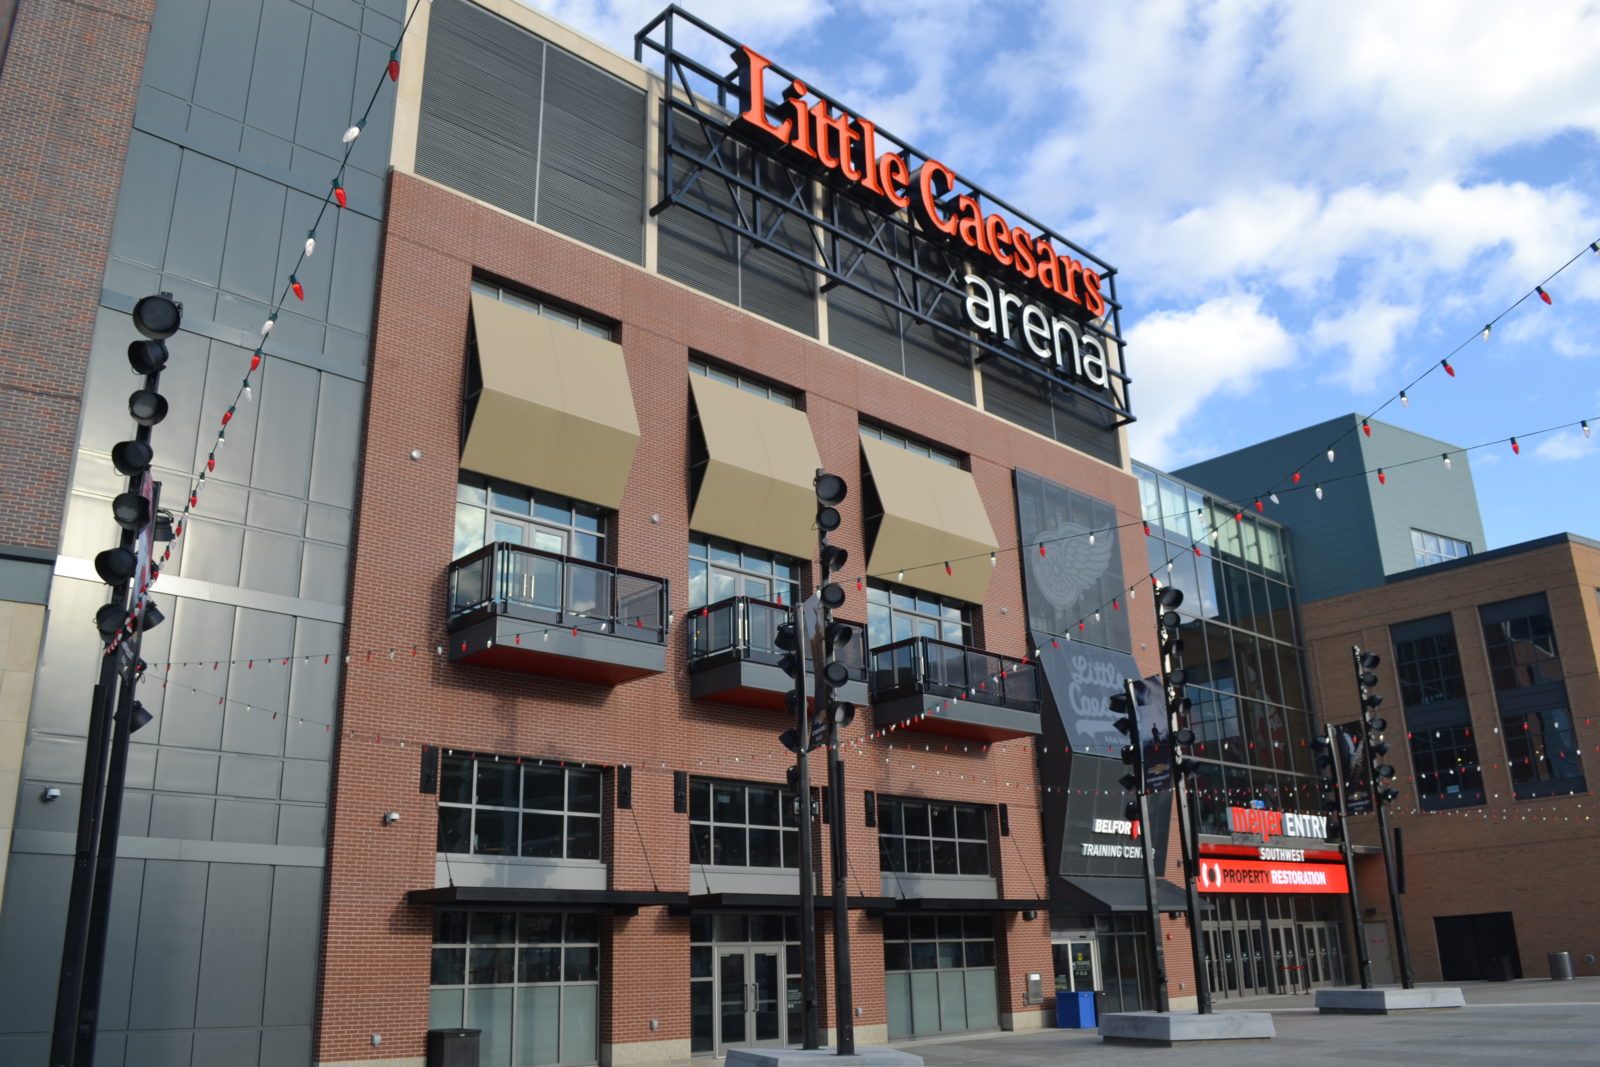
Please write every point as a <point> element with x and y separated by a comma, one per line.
<point>847,146</point>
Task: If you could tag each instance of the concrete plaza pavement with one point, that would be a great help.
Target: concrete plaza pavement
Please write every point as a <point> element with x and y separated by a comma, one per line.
<point>1530,1021</point>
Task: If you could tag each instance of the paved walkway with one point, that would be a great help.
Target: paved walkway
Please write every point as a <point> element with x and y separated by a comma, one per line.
<point>1535,1021</point>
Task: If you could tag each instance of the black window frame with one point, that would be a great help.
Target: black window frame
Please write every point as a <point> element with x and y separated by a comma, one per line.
<point>961,852</point>
<point>715,842</point>
<point>582,828</point>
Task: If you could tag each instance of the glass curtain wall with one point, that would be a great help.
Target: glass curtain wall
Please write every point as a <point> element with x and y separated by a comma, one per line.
<point>1241,648</point>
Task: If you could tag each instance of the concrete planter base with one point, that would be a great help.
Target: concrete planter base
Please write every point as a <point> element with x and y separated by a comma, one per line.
<point>1166,1029</point>
<point>865,1056</point>
<point>1384,1001</point>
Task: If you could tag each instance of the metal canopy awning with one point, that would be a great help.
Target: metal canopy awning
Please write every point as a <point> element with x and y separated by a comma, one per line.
<point>1114,894</point>
<point>621,901</point>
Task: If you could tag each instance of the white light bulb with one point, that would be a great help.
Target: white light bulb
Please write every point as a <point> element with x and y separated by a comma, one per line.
<point>351,134</point>
<point>1273,497</point>
<point>1319,492</point>
<point>311,246</point>
<point>1330,455</point>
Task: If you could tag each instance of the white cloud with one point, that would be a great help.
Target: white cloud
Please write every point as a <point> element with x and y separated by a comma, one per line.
<point>1180,358</point>
<point>1366,334</point>
<point>1566,445</point>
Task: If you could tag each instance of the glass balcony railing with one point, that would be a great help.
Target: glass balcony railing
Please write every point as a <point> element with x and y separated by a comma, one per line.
<point>543,587</point>
<point>743,628</point>
<point>939,668</point>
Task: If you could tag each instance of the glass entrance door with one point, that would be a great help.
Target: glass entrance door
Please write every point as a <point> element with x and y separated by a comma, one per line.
<point>750,997</point>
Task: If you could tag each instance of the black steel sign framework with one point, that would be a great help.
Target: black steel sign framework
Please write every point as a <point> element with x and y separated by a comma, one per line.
<point>927,279</point>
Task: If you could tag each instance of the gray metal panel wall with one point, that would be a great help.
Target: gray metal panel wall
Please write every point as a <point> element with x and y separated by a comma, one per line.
<point>521,124</point>
<point>217,901</point>
<point>1360,531</point>
<point>1029,400</point>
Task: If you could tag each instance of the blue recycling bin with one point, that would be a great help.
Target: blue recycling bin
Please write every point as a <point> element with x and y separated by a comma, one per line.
<point>1075,1011</point>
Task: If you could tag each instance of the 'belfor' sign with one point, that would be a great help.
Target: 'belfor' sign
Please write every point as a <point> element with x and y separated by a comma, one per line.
<point>1252,876</point>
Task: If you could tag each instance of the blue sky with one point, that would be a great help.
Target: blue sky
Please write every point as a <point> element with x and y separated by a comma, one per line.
<point>1308,203</point>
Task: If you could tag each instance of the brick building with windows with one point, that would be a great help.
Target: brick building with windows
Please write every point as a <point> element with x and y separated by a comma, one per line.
<point>1491,672</point>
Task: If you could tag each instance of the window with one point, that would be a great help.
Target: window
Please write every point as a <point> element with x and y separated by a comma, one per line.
<point>489,510</point>
<point>895,613</point>
<point>1444,759</point>
<point>1521,643</point>
<point>940,973</point>
<point>539,307</point>
<point>1542,752</point>
<point>1432,548</point>
<point>720,569</point>
<point>931,837</point>
<point>491,806</point>
<point>949,459</point>
<point>742,382</point>
<point>735,824</point>
<point>529,980</point>
<point>1428,664</point>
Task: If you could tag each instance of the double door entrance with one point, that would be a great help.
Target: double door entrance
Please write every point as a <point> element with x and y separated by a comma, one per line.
<point>1258,946</point>
<point>753,997</point>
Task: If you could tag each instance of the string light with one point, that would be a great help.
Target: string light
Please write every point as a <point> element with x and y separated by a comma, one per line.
<point>1542,294</point>
<point>299,290</point>
<point>1488,328</point>
<point>1446,457</point>
<point>1330,455</point>
<point>353,132</point>
<point>1319,490</point>
<point>338,193</point>
<point>1381,478</point>
<point>1448,369</point>
<point>311,242</point>
<point>1366,427</point>
<point>1585,425</point>
<point>1091,537</point>
<point>1274,498</point>
<point>1516,448</point>
<point>1405,401</point>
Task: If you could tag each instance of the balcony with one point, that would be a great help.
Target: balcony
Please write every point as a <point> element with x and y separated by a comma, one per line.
<point>989,697</point>
<point>732,658</point>
<point>520,609</point>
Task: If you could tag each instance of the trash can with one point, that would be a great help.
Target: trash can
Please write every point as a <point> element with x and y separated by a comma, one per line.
<point>453,1048</point>
<point>1075,1011</point>
<point>1561,967</point>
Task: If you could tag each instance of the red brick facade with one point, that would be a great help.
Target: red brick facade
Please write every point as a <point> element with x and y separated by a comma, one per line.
<point>1537,859</point>
<point>67,94</point>
<point>376,963</point>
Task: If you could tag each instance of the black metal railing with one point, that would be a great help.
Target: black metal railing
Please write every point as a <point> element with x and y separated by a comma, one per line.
<point>925,665</point>
<point>544,587</point>
<point>743,628</point>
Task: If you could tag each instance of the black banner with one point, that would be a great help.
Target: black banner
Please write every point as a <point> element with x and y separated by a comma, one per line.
<point>1098,838</point>
<point>1353,768</point>
<point>1155,733</point>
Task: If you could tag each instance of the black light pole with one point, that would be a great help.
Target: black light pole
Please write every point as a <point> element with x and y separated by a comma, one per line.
<point>798,738</point>
<point>1334,803</point>
<point>1382,796</point>
<point>830,674</point>
<point>1126,704</point>
<point>1183,784</point>
<point>127,569</point>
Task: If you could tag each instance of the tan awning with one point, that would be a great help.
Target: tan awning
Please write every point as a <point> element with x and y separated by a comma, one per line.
<point>757,486</point>
<point>931,514</point>
<point>555,412</point>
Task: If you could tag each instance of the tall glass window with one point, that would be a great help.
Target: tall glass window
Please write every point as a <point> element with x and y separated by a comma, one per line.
<point>1542,752</point>
<point>932,837</point>
<point>529,980</point>
<point>895,613</point>
<point>488,510</point>
<point>509,807</point>
<point>1521,642</point>
<point>719,569</point>
<point>1429,665</point>
<point>742,824</point>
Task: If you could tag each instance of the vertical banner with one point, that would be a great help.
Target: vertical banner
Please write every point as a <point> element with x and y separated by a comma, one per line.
<point>1353,768</point>
<point>1154,726</point>
<point>1071,563</point>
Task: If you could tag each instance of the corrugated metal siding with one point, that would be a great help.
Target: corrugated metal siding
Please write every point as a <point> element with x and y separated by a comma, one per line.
<point>510,120</point>
<point>1026,399</point>
<point>478,128</point>
<point>691,249</point>
<point>591,166</point>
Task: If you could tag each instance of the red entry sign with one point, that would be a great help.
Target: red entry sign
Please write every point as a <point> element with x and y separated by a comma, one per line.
<point>1252,876</point>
